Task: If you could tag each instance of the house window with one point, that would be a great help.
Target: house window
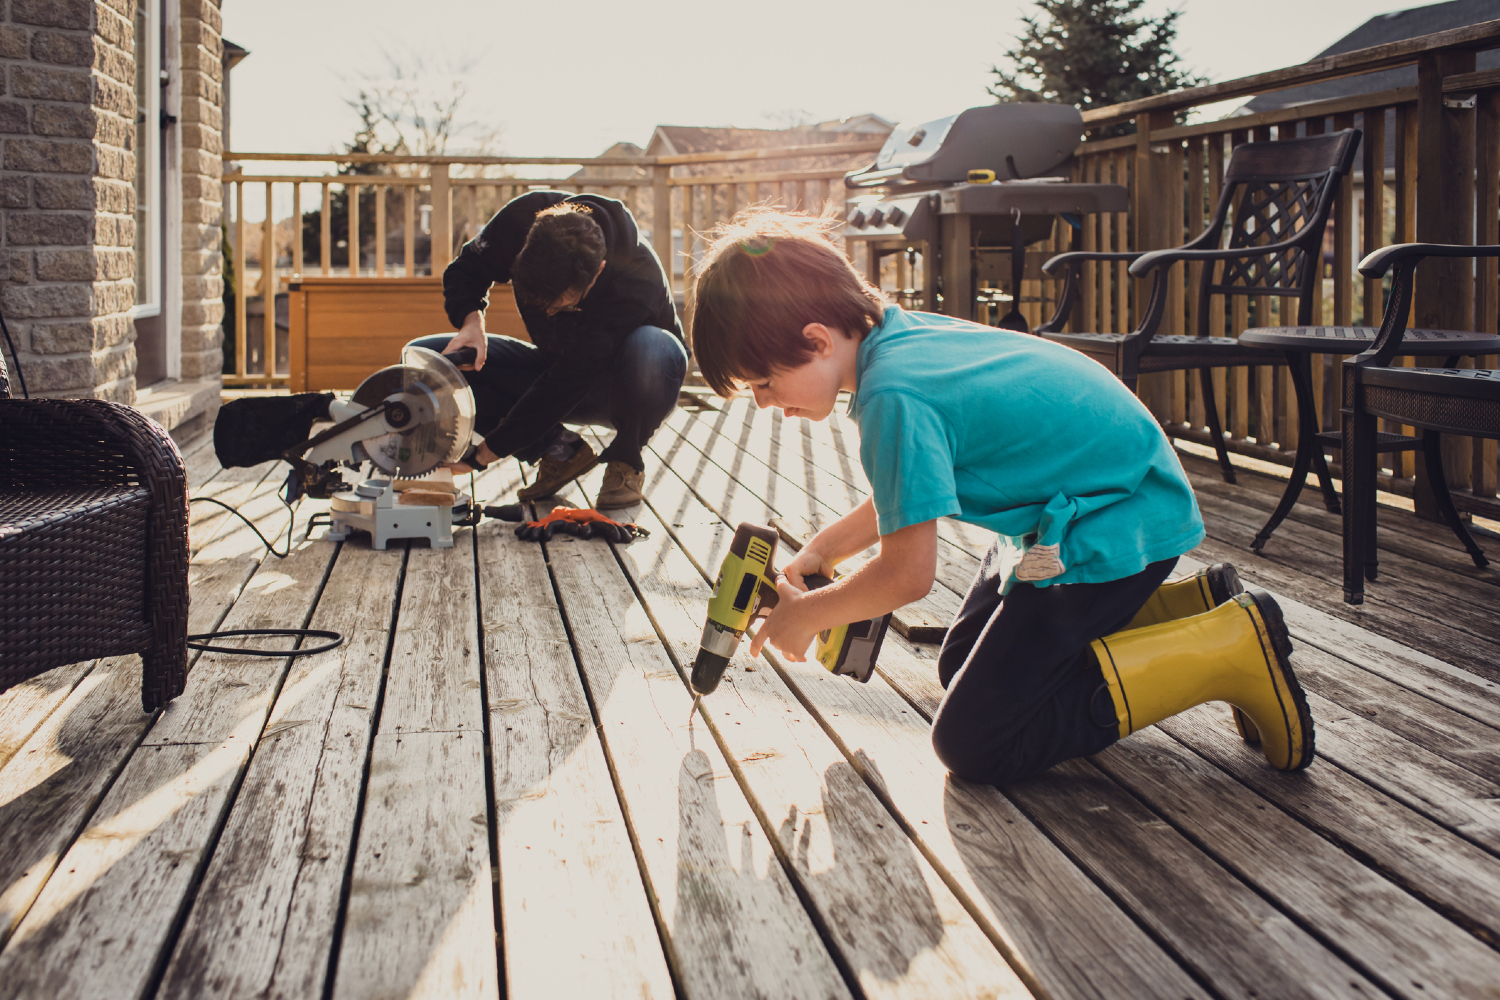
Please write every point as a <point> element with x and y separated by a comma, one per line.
<point>148,194</point>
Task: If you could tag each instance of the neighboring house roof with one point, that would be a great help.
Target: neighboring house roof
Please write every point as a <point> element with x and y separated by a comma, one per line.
<point>673,140</point>
<point>1379,30</point>
<point>595,172</point>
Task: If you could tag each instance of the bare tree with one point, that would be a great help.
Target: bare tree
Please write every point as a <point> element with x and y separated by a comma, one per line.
<point>415,108</point>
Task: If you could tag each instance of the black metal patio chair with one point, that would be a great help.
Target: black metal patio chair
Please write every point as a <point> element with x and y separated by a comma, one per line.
<point>1436,401</point>
<point>93,541</point>
<point>1281,194</point>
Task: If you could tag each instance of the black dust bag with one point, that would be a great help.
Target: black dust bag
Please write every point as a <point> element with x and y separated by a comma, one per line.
<point>256,429</point>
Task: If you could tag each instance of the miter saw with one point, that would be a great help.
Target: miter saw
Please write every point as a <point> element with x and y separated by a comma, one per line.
<point>406,421</point>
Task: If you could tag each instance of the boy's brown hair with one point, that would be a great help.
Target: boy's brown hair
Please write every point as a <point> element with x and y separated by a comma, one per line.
<point>562,253</point>
<point>767,275</point>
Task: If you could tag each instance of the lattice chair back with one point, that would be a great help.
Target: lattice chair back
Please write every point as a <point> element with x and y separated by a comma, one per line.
<point>1275,193</point>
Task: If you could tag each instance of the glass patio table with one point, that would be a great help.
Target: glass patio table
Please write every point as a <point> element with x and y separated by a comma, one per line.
<point>1299,344</point>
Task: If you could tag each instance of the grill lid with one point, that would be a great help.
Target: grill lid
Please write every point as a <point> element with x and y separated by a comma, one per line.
<point>1013,140</point>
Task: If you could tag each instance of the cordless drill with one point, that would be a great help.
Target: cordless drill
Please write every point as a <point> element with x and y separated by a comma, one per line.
<point>747,586</point>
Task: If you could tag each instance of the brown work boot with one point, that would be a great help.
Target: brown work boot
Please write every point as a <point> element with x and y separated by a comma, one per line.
<point>622,487</point>
<point>552,475</point>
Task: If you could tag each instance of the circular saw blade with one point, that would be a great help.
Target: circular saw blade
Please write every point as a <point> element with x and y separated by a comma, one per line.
<point>440,392</point>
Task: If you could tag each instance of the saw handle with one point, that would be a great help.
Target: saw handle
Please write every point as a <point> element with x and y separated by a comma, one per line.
<point>463,359</point>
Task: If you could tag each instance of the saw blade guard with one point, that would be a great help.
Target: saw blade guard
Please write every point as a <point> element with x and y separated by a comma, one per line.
<point>446,406</point>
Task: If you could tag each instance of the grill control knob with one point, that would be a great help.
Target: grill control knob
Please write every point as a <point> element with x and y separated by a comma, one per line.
<point>857,219</point>
<point>894,215</point>
<point>877,218</point>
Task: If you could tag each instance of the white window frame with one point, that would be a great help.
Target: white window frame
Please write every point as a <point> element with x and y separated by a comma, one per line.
<point>148,236</point>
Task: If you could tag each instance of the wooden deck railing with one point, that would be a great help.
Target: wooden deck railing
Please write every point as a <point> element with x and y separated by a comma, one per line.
<point>455,205</point>
<point>1439,186</point>
<point>1443,185</point>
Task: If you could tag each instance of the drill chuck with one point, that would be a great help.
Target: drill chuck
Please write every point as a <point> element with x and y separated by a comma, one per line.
<point>715,649</point>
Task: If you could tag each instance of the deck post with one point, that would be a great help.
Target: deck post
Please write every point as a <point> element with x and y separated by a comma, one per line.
<point>661,216</point>
<point>442,218</point>
<point>1444,291</point>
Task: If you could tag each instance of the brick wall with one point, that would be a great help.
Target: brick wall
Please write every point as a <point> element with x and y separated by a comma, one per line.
<point>67,201</point>
<point>201,124</point>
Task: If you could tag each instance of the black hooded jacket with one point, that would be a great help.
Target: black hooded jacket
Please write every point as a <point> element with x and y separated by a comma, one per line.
<point>632,291</point>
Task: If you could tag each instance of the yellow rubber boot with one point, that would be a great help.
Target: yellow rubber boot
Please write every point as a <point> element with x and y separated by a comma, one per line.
<point>1191,595</point>
<point>1239,652</point>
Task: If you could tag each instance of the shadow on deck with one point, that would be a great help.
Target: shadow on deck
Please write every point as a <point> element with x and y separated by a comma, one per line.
<point>500,783</point>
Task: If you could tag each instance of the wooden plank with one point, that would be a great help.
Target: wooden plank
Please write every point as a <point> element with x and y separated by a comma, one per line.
<point>263,920</point>
<point>27,705</point>
<point>1036,906</point>
<point>575,916</point>
<point>889,913</point>
<point>420,918</point>
<point>732,922</point>
<point>100,922</point>
<point>1458,878</point>
<point>1221,929</point>
<point>1409,949</point>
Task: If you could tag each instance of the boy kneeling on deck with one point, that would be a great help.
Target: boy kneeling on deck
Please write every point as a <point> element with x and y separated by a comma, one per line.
<point>1069,638</point>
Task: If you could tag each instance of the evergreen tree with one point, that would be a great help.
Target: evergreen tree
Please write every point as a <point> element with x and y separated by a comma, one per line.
<point>1093,53</point>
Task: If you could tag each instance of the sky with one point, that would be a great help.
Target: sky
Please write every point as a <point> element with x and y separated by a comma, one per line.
<point>611,70</point>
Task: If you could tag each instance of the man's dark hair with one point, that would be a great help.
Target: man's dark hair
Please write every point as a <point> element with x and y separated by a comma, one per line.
<point>562,253</point>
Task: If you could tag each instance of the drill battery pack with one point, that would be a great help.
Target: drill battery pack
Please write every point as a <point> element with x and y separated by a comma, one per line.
<point>850,650</point>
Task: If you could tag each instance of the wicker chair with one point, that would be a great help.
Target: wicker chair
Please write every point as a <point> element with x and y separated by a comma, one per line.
<point>1437,401</point>
<point>93,541</point>
<point>1281,193</point>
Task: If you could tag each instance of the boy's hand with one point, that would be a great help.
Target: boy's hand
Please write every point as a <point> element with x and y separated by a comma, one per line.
<point>784,628</point>
<point>804,563</point>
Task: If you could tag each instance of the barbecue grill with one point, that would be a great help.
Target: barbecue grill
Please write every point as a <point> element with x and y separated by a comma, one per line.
<point>930,200</point>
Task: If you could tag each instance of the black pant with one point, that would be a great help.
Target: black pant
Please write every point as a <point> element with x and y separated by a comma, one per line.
<point>1023,689</point>
<point>634,398</point>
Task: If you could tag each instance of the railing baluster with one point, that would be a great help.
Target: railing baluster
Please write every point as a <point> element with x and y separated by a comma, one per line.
<point>1403,463</point>
<point>409,235</point>
<point>1220,376</point>
<point>1197,416</point>
<point>268,283</point>
<point>241,322</point>
<point>352,190</point>
<point>325,236</point>
<point>380,190</point>
<point>442,217</point>
<point>297,228</point>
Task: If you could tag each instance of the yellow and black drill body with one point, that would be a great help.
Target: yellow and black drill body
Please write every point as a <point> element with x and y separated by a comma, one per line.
<point>746,587</point>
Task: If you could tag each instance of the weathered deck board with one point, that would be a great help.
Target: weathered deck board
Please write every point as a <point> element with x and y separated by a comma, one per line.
<point>526,789</point>
<point>575,916</point>
<point>731,919</point>
<point>264,916</point>
<point>420,917</point>
<point>105,915</point>
<point>70,751</point>
<point>1407,947</point>
<point>905,935</point>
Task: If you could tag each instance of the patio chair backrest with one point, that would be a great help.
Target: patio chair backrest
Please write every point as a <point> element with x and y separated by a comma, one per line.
<point>1276,192</point>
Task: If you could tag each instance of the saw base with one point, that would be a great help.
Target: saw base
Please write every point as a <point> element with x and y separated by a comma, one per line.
<point>372,508</point>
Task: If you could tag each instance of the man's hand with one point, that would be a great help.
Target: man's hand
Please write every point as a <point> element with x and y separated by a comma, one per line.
<point>482,453</point>
<point>471,334</point>
<point>785,628</point>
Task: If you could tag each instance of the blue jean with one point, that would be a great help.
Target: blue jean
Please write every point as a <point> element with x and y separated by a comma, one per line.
<point>634,398</point>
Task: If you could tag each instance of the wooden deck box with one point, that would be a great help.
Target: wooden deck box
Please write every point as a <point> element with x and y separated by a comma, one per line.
<point>343,329</point>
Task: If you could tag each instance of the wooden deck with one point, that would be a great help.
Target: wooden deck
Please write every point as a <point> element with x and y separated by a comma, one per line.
<point>499,784</point>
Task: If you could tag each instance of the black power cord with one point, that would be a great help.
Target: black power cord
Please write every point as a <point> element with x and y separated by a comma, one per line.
<point>199,641</point>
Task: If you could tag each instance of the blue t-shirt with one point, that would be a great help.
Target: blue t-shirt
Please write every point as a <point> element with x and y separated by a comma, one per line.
<point>1027,438</point>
